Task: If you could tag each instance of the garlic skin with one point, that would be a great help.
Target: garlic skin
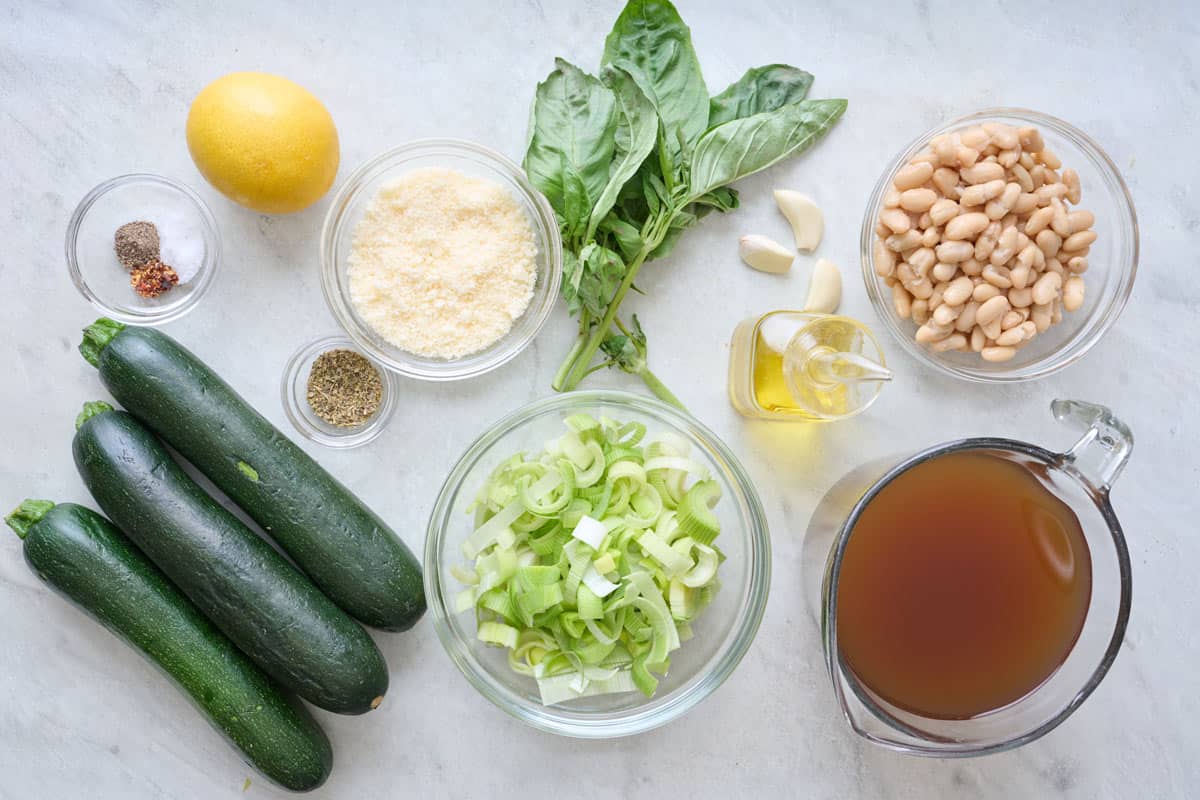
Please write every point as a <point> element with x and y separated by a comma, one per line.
<point>825,288</point>
<point>806,219</point>
<point>764,254</point>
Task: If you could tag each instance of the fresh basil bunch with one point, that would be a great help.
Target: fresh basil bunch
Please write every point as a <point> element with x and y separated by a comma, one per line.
<point>631,159</point>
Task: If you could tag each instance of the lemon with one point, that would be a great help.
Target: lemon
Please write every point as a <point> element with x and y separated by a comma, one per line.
<point>263,141</point>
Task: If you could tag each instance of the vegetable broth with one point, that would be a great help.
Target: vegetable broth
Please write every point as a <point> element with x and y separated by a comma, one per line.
<point>964,585</point>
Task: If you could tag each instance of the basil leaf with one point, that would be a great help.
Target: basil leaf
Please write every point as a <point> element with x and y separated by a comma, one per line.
<point>634,138</point>
<point>600,274</point>
<point>652,43</point>
<point>742,147</point>
<point>723,199</point>
<point>574,122</point>
<point>760,89</point>
<point>576,203</point>
<point>572,278</point>
<point>627,237</point>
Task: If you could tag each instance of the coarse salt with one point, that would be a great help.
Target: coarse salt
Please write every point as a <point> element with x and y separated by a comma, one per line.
<point>442,264</point>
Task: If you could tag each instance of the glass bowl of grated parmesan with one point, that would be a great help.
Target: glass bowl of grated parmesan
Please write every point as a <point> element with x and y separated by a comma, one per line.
<point>440,260</point>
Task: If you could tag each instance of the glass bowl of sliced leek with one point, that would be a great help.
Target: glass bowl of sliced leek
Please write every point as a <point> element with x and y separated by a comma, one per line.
<point>597,564</point>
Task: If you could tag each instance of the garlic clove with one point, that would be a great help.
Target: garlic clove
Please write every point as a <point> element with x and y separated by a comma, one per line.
<point>764,254</point>
<point>807,221</point>
<point>825,288</point>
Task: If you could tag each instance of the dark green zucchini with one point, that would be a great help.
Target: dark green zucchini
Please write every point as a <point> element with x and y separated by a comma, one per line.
<point>259,600</point>
<point>341,544</point>
<point>84,558</point>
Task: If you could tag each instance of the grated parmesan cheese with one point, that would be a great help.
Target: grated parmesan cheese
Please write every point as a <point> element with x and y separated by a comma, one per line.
<point>441,264</point>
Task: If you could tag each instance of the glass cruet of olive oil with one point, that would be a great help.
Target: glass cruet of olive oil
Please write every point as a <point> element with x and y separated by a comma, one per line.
<point>804,367</point>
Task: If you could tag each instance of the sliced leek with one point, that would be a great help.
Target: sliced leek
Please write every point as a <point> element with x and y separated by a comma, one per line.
<point>591,560</point>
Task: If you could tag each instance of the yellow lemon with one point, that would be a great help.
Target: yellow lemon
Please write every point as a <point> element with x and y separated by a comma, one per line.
<point>263,141</point>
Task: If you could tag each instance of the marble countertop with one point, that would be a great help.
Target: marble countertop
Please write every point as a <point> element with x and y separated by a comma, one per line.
<point>92,90</point>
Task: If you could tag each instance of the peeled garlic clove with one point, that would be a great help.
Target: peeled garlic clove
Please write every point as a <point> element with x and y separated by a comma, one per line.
<point>825,288</point>
<point>765,254</point>
<point>808,223</point>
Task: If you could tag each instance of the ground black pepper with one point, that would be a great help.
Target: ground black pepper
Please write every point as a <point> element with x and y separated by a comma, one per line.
<point>136,244</point>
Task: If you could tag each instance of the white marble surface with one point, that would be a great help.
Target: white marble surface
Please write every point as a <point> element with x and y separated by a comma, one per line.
<point>90,90</point>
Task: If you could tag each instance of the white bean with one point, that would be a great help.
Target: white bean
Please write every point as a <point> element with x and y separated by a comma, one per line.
<point>885,259</point>
<point>1049,159</point>
<point>979,193</point>
<point>945,180</point>
<point>932,331</point>
<point>1050,242</point>
<point>955,341</point>
<point>1078,241</point>
<point>943,211</point>
<point>1080,220</point>
<point>945,314</point>
<point>1072,297</point>
<point>954,252</point>
<point>997,275</point>
<point>902,301</point>
<point>1010,337</point>
<point>966,317</point>
<point>920,311</point>
<point>1041,317</point>
<point>1011,319</point>
<point>1046,288</point>
<point>959,291</point>
<point>944,272</point>
<point>917,200</point>
<point>966,226</point>
<point>997,354</point>
<point>912,176</point>
<point>1071,180</point>
<point>1020,298</point>
<point>984,292</point>
<point>978,338</point>
<point>903,242</point>
<point>992,309</point>
<point>896,220</point>
<point>983,172</point>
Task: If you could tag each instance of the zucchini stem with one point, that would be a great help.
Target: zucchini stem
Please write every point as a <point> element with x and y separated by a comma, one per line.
<point>96,337</point>
<point>91,409</point>
<point>26,515</point>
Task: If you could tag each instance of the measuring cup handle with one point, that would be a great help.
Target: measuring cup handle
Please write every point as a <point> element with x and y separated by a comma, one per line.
<point>1100,454</point>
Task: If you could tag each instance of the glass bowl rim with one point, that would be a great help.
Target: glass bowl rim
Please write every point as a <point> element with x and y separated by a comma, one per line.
<point>352,437</point>
<point>208,267</point>
<point>1073,349</point>
<point>542,219</point>
<point>748,617</point>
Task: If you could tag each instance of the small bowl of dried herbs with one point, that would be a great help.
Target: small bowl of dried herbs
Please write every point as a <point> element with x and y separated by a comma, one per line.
<point>335,395</point>
<point>142,248</point>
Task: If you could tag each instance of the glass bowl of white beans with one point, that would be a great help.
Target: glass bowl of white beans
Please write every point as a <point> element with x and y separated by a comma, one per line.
<point>1053,322</point>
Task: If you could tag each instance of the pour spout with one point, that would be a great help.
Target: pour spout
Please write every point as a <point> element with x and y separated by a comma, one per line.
<point>848,368</point>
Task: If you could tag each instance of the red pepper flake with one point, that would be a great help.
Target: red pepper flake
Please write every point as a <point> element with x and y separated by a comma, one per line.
<point>153,279</point>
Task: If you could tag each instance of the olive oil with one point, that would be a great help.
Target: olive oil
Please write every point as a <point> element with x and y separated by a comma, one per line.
<point>805,367</point>
<point>964,585</point>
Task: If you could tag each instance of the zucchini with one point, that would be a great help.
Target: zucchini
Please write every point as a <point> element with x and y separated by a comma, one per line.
<point>252,594</point>
<point>80,555</point>
<point>344,547</point>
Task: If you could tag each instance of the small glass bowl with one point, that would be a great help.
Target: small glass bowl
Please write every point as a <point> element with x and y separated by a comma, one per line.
<point>723,633</point>
<point>176,210</point>
<point>1112,262</point>
<point>476,161</point>
<point>294,390</point>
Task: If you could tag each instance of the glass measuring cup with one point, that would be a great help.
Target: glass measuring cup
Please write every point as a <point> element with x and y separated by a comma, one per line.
<point>1082,478</point>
